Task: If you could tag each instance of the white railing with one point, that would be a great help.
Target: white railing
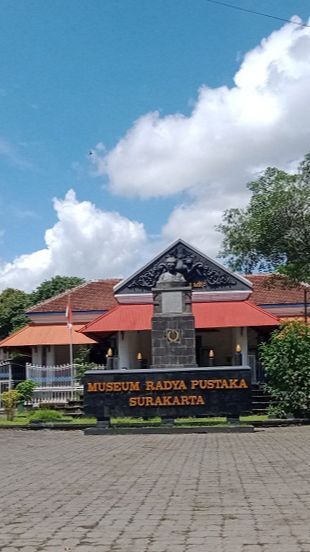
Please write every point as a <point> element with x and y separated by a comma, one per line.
<point>54,384</point>
<point>55,395</point>
<point>55,376</point>
<point>50,376</point>
<point>5,378</point>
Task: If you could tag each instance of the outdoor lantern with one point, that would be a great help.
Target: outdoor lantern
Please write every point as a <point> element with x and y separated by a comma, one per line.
<point>238,355</point>
<point>139,360</point>
<point>110,359</point>
<point>211,358</point>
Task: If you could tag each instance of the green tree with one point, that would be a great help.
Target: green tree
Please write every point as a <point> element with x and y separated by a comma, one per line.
<point>273,231</point>
<point>13,303</point>
<point>54,286</point>
<point>286,360</point>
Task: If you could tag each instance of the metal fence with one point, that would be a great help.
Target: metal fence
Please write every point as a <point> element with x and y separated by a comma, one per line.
<point>56,395</point>
<point>51,376</point>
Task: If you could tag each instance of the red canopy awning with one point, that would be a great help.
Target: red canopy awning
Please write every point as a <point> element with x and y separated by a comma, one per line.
<point>47,334</point>
<point>207,315</point>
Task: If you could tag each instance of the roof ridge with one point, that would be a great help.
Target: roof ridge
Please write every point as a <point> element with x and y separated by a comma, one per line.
<point>260,309</point>
<point>81,330</point>
<point>67,292</point>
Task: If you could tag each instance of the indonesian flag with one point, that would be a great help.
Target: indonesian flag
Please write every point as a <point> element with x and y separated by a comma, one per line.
<point>69,313</point>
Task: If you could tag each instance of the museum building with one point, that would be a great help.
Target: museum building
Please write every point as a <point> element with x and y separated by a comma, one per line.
<point>232,315</point>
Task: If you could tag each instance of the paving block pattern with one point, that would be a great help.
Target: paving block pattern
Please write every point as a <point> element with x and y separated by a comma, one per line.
<point>66,492</point>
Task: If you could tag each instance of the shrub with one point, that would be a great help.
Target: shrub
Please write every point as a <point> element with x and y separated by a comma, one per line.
<point>10,400</point>
<point>25,389</point>
<point>82,362</point>
<point>46,415</point>
<point>286,359</point>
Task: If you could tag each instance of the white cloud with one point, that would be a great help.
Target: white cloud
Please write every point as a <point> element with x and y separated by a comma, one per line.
<point>264,119</point>
<point>85,241</point>
<point>230,135</point>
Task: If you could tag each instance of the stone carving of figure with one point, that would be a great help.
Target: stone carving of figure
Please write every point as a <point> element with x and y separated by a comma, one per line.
<point>171,273</point>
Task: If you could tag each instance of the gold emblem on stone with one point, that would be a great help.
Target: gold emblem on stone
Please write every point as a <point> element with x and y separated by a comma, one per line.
<point>173,336</point>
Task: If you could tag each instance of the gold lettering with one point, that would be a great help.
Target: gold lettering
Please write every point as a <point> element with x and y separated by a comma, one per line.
<point>91,387</point>
<point>184,400</point>
<point>200,400</point>
<point>167,400</point>
<point>134,386</point>
<point>194,384</point>
<point>233,384</point>
<point>132,401</point>
<point>225,384</point>
<point>149,385</point>
<point>243,384</point>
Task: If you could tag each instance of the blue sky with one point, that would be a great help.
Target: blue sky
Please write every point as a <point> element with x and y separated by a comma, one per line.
<point>76,74</point>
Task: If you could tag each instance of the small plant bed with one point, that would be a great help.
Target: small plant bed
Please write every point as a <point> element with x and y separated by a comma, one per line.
<point>254,418</point>
<point>200,421</point>
<point>135,422</point>
<point>46,415</point>
<point>56,419</point>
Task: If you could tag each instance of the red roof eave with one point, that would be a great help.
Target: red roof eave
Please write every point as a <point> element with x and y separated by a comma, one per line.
<point>46,334</point>
<point>228,314</point>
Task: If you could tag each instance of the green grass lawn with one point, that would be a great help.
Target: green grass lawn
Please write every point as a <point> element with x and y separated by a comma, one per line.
<point>25,418</point>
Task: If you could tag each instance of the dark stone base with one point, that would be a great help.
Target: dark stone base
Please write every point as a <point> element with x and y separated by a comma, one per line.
<point>167,353</point>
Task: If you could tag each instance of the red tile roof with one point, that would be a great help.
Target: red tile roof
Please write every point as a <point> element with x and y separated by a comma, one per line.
<point>98,295</point>
<point>269,289</point>
<point>95,295</point>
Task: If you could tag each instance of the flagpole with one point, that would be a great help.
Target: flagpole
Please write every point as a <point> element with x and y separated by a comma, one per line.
<point>71,362</point>
<point>70,328</point>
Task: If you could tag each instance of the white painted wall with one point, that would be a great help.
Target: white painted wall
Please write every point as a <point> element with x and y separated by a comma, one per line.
<point>130,344</point>
<point>38,355</point>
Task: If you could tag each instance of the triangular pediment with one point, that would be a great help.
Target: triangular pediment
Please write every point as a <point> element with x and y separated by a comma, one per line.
<point>202,272</point>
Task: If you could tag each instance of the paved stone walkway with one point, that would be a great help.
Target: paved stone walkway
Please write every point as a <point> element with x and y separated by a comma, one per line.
<point>66,492</point>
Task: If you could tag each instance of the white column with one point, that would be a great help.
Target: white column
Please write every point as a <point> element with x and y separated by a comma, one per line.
<point>240,337</point>
<point>128,349</point>
<point>123,352</point>
<point>50,356</point>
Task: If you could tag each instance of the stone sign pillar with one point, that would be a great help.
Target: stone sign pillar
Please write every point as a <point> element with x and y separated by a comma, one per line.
<point>173,325</point>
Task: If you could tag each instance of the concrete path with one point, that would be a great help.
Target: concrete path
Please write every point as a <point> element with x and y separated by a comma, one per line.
<point>65,492</point>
